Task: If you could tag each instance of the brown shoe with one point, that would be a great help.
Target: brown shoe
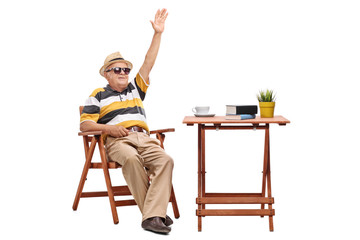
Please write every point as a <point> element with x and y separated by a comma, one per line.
<point>168,221</point>
<point>155,224</point>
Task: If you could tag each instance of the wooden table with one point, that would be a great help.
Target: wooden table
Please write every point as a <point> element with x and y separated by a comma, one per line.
<point>220,123</point>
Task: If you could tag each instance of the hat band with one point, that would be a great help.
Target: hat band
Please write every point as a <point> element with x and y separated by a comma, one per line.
<point>116,59</point>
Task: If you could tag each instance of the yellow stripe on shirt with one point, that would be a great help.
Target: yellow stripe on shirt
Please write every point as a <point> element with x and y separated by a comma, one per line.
<point>89,117</point>
<point>119,105</point>
<point>141,83</point>
<point>96,91</point>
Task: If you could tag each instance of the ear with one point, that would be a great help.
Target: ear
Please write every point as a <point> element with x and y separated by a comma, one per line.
<point>106,75</point>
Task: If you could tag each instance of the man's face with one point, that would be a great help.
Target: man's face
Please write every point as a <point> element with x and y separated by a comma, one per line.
<point>117,82</point>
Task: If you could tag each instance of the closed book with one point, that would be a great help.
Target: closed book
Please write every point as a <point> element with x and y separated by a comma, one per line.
<point>241,109</point>
<point>240,117</point>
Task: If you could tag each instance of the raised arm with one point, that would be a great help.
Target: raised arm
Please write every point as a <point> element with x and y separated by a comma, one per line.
<point>158,25</point>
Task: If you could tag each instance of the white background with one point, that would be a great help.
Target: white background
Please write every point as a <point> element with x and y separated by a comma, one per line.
<point>212,53</point>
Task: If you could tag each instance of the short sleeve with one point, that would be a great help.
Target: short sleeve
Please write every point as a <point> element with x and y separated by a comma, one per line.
<point>91,110</point>
<point>141,86</point>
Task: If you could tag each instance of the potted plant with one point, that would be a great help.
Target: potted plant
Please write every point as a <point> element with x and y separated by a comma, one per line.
<point>266,103</point>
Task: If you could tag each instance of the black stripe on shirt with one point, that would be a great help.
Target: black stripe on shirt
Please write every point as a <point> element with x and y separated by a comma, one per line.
<point>109,92</point>
<point>141,93</point>
<point>105,94</point>
<point>130,110</point>
<point>91,109</point>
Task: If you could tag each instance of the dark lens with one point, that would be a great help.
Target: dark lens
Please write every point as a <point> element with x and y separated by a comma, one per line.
<point>126,70</point>
<point>117,70</point>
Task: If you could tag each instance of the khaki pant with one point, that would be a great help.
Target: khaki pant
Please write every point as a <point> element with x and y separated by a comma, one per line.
<point>136,152</point>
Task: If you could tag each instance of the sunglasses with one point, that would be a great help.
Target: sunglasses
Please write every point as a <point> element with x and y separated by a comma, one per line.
<point>117,70</point>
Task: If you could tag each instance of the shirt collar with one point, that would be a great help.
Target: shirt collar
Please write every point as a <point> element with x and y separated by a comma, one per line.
<point>108,88</point>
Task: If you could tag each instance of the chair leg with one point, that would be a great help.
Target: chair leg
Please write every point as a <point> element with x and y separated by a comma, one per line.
<point>89,155</point>
<point>161,138</point>
<point>108,180</point>
<point>174,203</point>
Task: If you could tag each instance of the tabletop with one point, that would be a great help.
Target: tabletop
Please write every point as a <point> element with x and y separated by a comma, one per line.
<point>191,120</point>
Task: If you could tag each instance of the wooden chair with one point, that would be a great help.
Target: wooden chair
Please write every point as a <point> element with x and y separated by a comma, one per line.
<point>91,139</point>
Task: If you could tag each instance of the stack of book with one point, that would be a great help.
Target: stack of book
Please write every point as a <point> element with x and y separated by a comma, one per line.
<point>241,112</point>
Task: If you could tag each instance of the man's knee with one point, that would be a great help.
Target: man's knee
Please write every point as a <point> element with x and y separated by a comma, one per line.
<point>168,161</point>
<point>132,159</point>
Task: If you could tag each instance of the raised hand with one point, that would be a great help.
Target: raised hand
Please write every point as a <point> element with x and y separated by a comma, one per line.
<point>159,23</point>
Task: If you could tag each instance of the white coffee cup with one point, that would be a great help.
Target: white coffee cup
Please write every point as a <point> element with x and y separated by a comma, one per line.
<point>201,110</point>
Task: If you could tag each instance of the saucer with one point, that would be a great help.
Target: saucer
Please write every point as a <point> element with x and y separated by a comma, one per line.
<point>204,114</point>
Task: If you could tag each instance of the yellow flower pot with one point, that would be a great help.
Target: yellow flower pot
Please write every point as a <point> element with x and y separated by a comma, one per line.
<point>267,109</point>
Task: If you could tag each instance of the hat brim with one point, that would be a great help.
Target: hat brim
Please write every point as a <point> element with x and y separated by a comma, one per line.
<point>102,69</point>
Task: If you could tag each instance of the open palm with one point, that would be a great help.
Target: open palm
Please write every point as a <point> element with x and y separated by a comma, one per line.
<point>159,23</point>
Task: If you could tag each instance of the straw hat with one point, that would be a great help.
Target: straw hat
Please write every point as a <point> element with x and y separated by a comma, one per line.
<point>114,58</point>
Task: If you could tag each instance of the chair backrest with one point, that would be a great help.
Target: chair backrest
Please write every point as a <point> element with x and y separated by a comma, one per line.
<point>86,138</point>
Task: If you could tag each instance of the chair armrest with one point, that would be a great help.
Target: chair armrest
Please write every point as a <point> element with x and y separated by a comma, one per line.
<point>90,133</point>
<point>162,130</point>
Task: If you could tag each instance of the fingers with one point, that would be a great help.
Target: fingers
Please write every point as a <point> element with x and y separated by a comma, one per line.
<point>124,131</point>
<point>161,14</point>
<point>164,18</point>
<point>118,131</point>
<point>157,13</point>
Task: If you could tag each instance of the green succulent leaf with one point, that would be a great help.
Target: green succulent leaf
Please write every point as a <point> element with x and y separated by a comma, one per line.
<point>266,96</point>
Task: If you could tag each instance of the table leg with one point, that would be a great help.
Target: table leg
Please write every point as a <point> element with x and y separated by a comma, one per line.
<point>267,176</point>
<point>264,172</point>
<point>201,170</point>
<point>267,134</point>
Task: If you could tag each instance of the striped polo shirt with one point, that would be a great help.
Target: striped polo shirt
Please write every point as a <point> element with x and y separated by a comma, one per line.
<point>108,106</point>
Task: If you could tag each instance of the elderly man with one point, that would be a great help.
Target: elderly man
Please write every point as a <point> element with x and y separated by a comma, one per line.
<point>118,111</point>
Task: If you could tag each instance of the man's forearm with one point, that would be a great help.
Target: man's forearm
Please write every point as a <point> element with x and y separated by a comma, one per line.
<point>151,56</point>
<point>153,49</point>
<point>112,130</point>
<point>92,126</point>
